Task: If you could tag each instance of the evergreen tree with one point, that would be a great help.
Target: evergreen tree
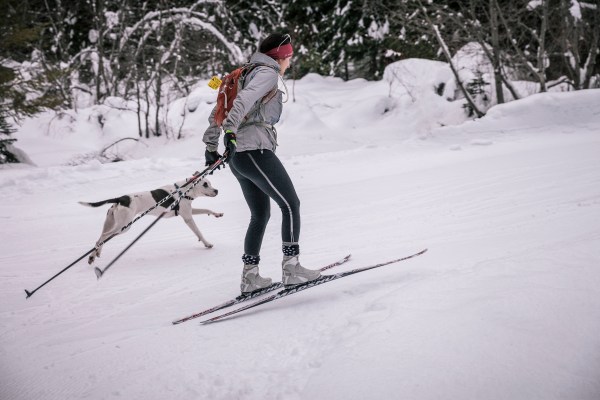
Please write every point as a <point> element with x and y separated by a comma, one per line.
<point>343,38</point>
<point>6,130</point>
<point>250,21</point>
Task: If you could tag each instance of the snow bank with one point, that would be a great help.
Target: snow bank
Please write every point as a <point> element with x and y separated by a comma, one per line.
<point>567,111</point>
<point>321,108</point>
<point>415,98</point>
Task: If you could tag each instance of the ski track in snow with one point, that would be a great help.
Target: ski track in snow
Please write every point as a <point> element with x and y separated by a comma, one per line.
<point>504,305</point>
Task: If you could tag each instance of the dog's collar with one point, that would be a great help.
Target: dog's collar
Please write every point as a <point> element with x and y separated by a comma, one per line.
<point>181,196</point>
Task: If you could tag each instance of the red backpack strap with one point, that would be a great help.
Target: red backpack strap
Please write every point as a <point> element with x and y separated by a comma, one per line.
<point>230,86</point>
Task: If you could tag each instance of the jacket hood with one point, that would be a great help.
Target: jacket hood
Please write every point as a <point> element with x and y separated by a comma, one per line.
<point>261,58</point>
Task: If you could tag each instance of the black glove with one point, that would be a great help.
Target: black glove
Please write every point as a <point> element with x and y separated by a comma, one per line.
<point>230,144</point>
<point>211,157</point>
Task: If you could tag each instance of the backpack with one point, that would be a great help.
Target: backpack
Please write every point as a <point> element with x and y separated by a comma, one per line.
<point>228,90</point>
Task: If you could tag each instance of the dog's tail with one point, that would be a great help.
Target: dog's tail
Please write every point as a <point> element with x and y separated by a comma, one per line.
<point>100,203</point>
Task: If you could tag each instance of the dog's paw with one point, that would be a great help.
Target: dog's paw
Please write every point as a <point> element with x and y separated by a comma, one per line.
<point>218,215</point>
<point>208,245</point>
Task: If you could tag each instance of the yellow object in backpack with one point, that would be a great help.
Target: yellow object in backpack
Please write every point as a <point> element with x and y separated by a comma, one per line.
<point>214,83</point>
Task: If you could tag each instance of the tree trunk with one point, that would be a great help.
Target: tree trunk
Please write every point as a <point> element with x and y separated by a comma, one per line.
<point>98,17</point>
<point>139,106</point>
<point>158,72</point>
<point>496,53</point>
<point>590,64</point>
<point>158,91</point>
<point>569,40</point>
<point>541,54</point>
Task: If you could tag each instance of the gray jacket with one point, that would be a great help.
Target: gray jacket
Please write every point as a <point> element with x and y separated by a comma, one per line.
<point>250,118</point>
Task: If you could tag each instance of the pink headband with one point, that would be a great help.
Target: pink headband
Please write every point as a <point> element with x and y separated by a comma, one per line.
<point>281,52</point>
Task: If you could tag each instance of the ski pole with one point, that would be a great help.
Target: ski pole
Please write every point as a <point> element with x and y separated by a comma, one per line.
<point>194,178</point>
<point>30,293</point>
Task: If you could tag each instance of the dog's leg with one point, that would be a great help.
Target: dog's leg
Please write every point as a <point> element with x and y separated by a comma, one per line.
<point>116,218</point>
<point>199,211</point>
<point>107,231</point>
<point>189,221</point>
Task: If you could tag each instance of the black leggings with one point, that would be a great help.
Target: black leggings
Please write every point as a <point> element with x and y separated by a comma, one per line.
<point>263,177</point>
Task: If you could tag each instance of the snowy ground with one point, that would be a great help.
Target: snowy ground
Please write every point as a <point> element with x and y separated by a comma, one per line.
<point>504,305</point>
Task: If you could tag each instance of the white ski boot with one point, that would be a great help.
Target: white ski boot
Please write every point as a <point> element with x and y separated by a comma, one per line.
<point>294,274</point>
<point>252,281</point>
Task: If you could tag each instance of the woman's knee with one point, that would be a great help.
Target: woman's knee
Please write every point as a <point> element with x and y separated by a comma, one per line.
<point>292,205</point>
<point>261,216</point>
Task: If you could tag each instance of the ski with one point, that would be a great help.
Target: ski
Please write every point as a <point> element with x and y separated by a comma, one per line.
<point>304,286</point>
<point>253,295</point>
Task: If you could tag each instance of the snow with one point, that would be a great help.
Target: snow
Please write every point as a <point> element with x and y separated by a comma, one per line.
<point>533,4</point>
<point>504,305</point>
<point>575,10</point>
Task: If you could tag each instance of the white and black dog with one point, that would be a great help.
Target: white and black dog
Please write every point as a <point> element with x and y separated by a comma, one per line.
<point>125,208</point>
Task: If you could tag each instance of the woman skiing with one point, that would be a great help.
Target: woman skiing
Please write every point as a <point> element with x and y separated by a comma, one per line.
<point>250,140</point>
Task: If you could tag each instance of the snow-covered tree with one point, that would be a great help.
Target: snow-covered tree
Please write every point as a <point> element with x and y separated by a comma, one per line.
<point>343,38</point>
<point>75,54</point>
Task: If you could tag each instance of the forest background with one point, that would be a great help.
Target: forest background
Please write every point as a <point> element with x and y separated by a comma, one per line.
<point>62,55</point>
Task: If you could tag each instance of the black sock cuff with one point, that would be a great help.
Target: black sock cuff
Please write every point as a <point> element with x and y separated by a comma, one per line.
<point>291,249</point>
<point>250,259</point>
